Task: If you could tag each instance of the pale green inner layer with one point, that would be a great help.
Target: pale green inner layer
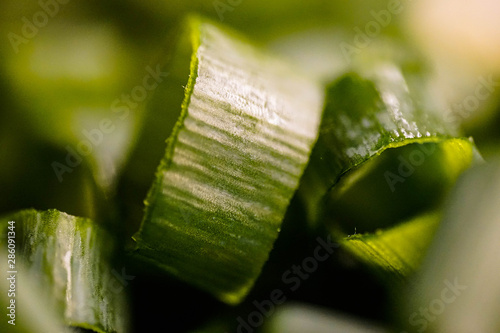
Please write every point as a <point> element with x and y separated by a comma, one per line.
<point>397,251</point>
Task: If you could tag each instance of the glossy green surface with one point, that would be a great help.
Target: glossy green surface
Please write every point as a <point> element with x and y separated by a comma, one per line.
<point>383,152</point>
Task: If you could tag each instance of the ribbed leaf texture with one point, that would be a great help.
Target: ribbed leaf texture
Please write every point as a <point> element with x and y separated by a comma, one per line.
<point>232,165</point>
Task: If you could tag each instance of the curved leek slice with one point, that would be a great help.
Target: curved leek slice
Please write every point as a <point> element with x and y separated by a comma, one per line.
<point>356,172</point>
<point>70,258</point>
<point>232,164</point>
<point>383,157</point>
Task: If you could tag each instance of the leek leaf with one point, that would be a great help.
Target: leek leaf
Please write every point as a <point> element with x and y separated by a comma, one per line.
<point>384,160</point>
<point>232,164</point>
<point>70,258</point>
<point>381,145</point>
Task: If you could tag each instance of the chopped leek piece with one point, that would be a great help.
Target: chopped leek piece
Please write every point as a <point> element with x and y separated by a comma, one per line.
<point>70,257</point>
<point>232,164</point>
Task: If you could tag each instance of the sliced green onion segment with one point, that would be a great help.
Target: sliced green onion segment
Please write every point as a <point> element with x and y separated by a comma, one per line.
<point>381,145</point>
<point>385,159</point>
<point>70,258</point>
<point>232,164</point>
